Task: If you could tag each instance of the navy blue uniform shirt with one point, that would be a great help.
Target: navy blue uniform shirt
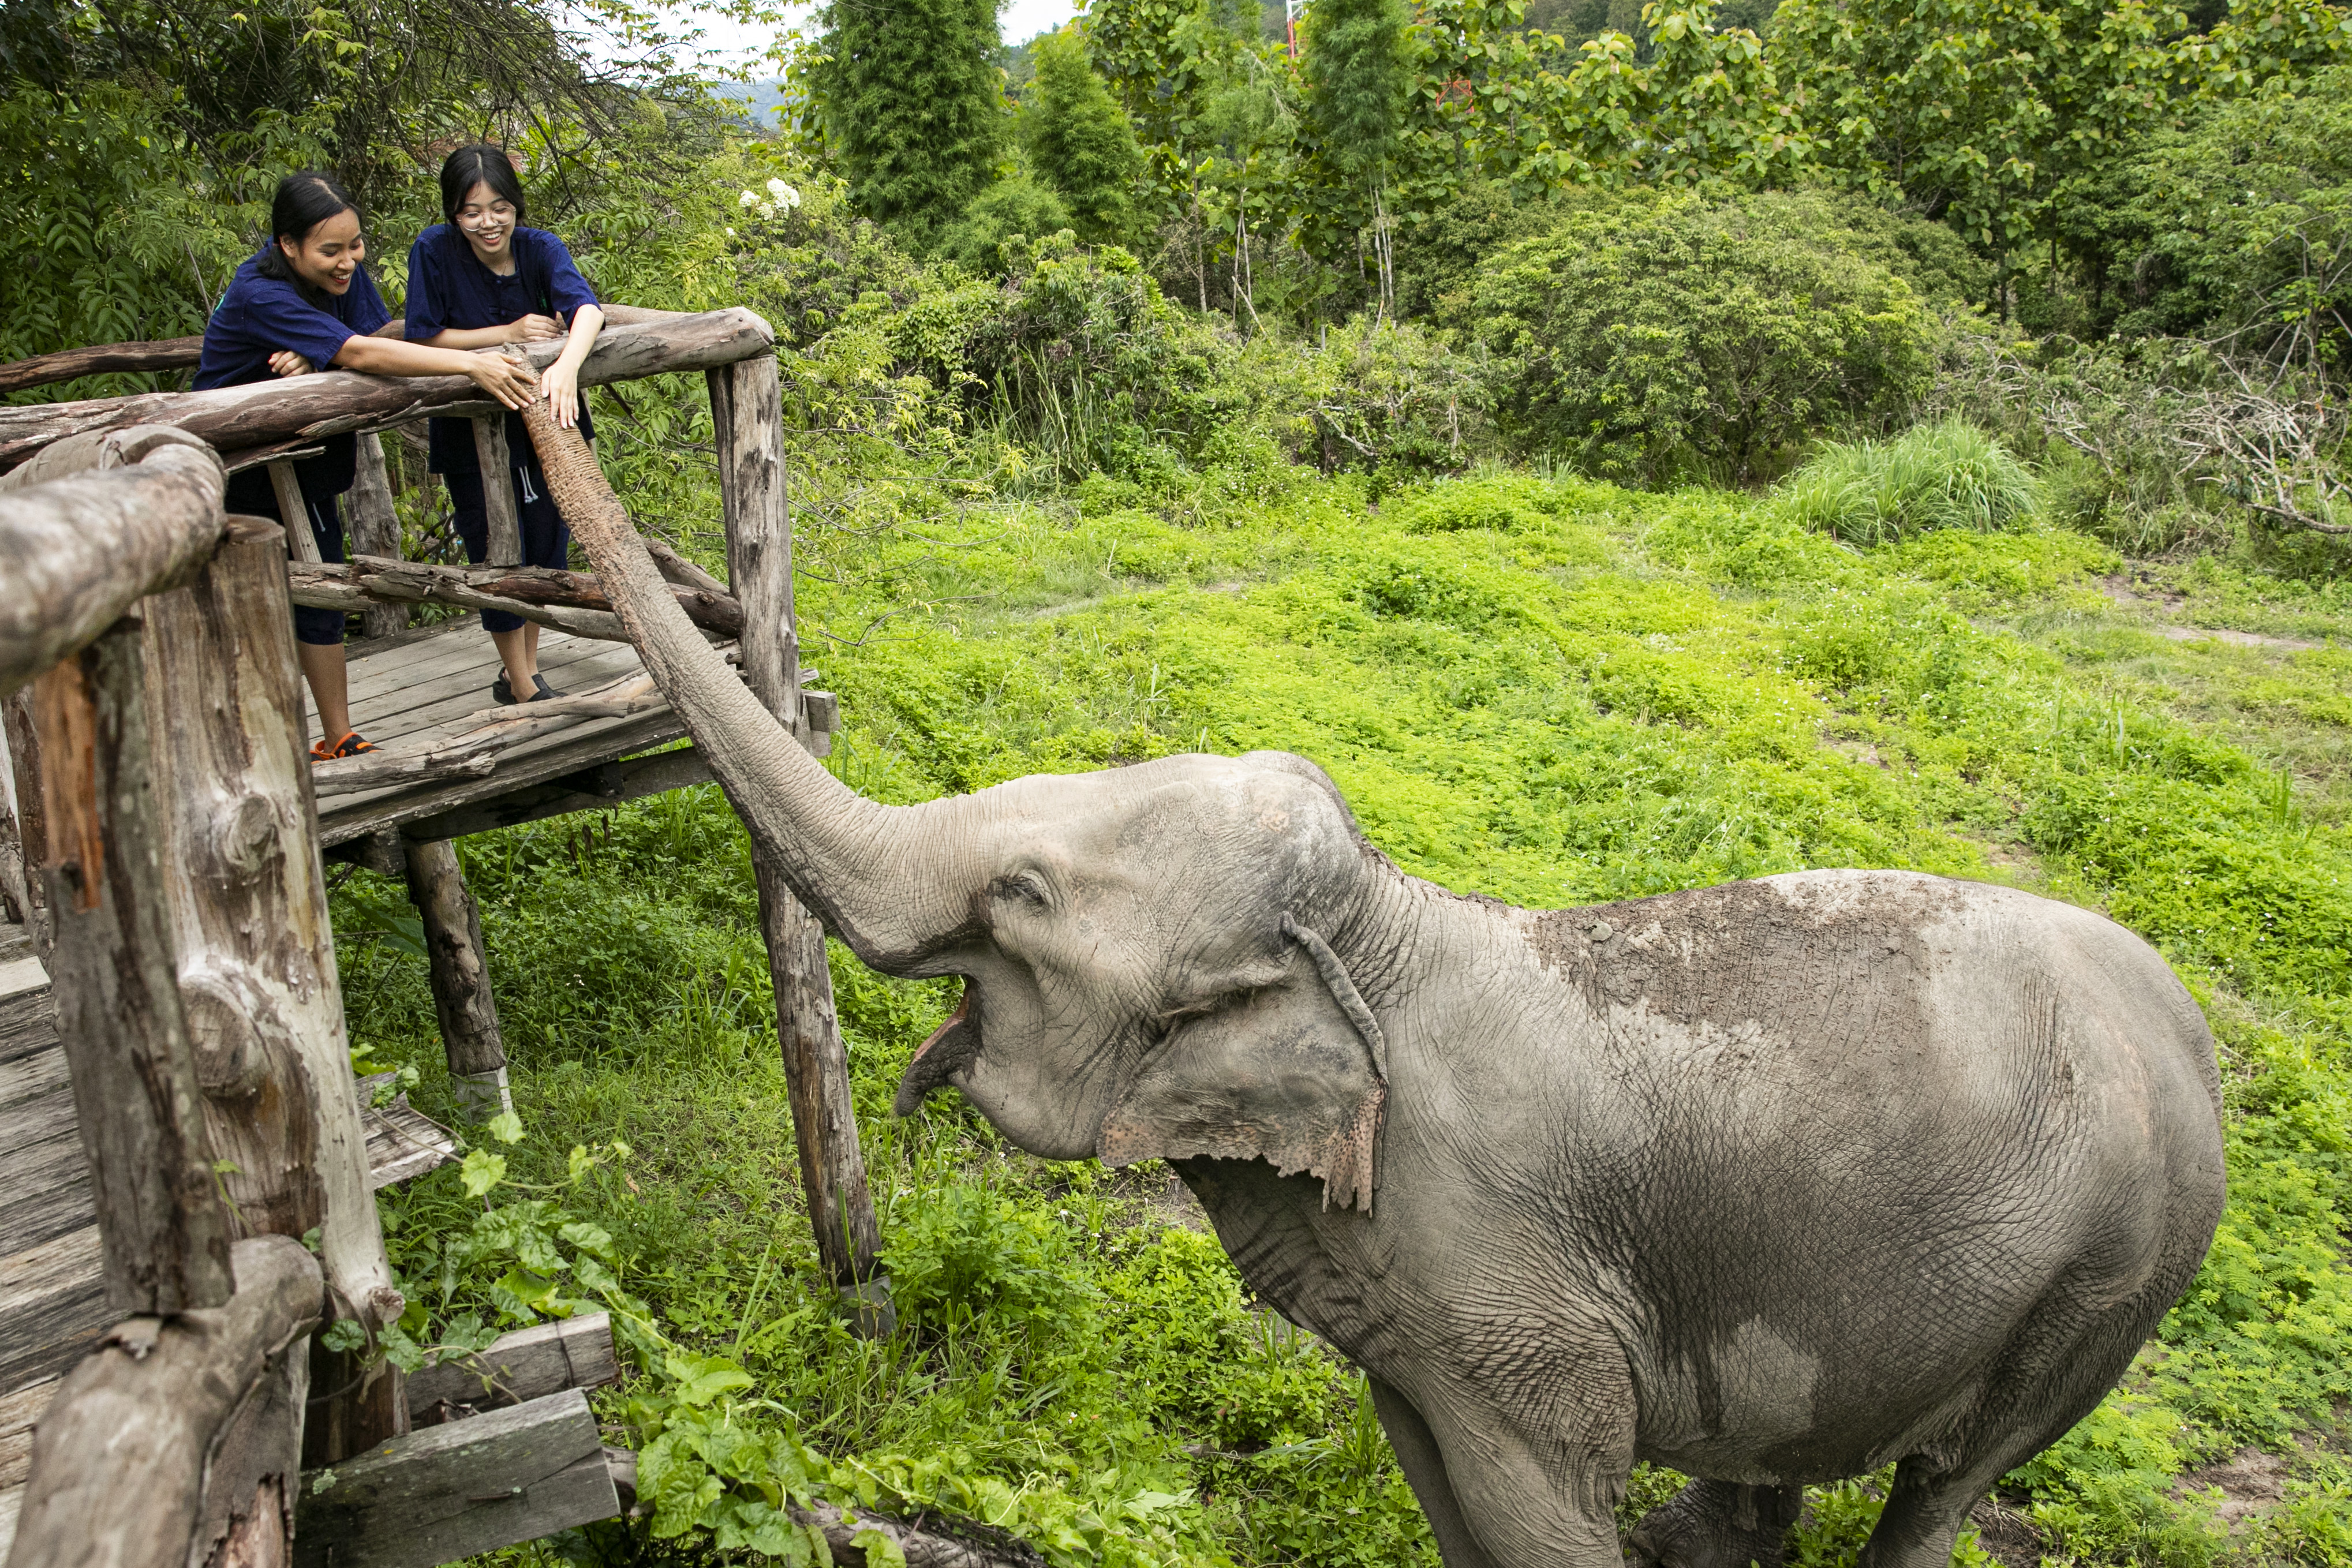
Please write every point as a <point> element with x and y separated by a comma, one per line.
<point>260,316</point>
<point>449,286</point>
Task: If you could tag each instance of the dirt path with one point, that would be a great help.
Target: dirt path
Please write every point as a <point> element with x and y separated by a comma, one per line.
<point>2118,587</point>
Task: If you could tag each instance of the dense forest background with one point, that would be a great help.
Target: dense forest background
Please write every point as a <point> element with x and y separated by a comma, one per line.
<point>1629,447</point>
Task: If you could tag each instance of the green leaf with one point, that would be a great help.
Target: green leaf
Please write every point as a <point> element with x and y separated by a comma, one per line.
<point>482,1171</point>
<point>881,1551</point>
<point>506,1127</point>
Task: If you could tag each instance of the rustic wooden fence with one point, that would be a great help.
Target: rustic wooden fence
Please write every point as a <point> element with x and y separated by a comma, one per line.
<point>172,878</point>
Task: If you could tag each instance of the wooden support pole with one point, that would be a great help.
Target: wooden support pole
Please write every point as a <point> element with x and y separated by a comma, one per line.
<point>247,893</point>
<point>25,773</point>
<point>301,543</point>
<point>177,1441</point>
<point>497,490</point>
<point>376,528</point>
<point>460,971</point>
<point>747,417</point>
<point>162,1227</point>
<point>572,602</point>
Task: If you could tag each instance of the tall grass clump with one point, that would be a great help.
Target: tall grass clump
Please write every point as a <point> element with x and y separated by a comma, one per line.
<point>1945,475</point>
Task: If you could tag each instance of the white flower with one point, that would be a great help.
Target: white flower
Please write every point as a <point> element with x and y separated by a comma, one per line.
<point>748,199</point>
<point>783,196</point>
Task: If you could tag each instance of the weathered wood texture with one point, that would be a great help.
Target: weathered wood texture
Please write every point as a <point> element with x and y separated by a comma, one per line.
<point>460,1487</point>
<point>923,1548</point>
<point>183,353</point>
<point>503,526</point>
<point>591,790</point>
<point>256,944</point>
<point>294,512</point>
<point>403,1142</point>
<point>333,401</point>
<point>126,1038</point>
<point>77,553</point>
<point>157,1446</point>
<point>747,416</point>
<point>376,528</point>
<point>460,975</point>
<point>98,360</point>
<point>419,693</point>
<point>568,600</point>
<point>530,1364</point>
<point>24,775</point>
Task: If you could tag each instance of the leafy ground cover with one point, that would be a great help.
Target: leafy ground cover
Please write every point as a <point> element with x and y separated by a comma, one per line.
<point>1555,691</point>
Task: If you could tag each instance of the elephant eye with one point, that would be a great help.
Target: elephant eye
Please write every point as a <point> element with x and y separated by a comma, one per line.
<point>1026,886</point>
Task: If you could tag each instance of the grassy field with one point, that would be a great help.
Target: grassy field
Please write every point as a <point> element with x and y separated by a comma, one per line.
<point>1552,692</point>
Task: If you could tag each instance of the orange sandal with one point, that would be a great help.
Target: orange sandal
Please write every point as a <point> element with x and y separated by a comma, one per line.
<point>350,746</point>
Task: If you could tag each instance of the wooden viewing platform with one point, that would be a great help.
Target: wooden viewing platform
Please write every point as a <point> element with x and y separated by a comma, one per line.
<point>177,1105</point>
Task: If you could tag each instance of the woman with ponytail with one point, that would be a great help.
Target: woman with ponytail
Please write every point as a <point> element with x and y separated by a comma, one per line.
<point>480,278</point>
<point>302,304</point>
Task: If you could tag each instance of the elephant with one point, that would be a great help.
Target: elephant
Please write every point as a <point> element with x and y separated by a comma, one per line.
<point>1772,1183</point>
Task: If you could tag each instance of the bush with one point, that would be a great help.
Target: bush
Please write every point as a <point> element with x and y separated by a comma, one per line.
<point>1003,216</point>
<point>1651,337</point>
<point>1945,475</point>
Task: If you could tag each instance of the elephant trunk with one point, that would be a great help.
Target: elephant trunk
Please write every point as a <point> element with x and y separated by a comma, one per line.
<point>842,855</point>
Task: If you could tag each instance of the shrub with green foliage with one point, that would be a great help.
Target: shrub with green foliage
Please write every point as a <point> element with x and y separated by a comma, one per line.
<point>909,98</point>
<point>1649,338</point>
<point>1081,142</point>
<point>1947,475</point>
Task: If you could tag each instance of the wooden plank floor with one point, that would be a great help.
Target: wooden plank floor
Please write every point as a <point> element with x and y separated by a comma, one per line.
<point>417,691</point>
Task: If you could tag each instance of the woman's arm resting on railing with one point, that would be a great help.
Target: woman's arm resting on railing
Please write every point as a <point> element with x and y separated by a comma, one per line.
<point>506,380</point>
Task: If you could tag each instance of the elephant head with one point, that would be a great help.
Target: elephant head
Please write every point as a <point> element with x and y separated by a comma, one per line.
<point>1144,953</point>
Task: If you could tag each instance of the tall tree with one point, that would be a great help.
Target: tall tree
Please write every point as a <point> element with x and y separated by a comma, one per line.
<point>1081,141</point>
<point>1358,69</point>
<point>911,98</point>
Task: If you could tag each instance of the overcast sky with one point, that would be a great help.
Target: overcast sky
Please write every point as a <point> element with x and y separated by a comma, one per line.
<point>1019,20</point>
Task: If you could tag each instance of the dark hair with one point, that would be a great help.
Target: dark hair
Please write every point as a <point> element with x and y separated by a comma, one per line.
<point>480,164</point>
<point>304,201</point>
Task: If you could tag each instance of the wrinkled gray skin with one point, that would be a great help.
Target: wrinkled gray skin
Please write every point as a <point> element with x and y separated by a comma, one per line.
<point>1772,1183</point>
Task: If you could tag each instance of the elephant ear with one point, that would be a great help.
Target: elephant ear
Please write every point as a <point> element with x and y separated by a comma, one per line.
<point>1291,1072</point>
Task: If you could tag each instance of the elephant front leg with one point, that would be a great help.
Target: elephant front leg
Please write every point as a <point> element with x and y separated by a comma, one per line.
<point>1530,1488</point>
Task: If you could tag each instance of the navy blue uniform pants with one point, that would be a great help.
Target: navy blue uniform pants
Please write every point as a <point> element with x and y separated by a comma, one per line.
<point>546,540</point>
<point>250,493</point>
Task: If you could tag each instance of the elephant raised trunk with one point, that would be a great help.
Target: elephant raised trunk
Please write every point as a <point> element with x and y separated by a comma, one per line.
<point>840,852</point>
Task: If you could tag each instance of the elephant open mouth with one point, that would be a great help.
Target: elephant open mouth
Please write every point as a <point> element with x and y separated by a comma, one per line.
<point>955,1042</point>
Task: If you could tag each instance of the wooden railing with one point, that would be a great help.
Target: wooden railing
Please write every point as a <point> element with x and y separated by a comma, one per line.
<point>167,792</point>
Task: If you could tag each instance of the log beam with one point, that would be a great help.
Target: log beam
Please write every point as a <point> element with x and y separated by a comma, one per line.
<point>459,1488</point>
<point>500,517</point>
<point>255,947</point>
<point>99,360</point>
<point>165,1232</point>
<point>460,974</point>
<point>747,417</point>
<point>179,1435</point>
<point>78,552</point>
<point>519,589</point>
<point>375,530</point>
<point>529,1364</point>
<point>331,403</point>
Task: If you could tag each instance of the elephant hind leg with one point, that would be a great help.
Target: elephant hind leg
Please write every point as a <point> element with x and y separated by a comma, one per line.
<point>1424,1470</point>
<point>2071,1352</point>
<point>1717,1524</point>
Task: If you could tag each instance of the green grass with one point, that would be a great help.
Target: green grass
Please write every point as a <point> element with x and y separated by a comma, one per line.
<point>1946,475</point>
<point>1554,693</point>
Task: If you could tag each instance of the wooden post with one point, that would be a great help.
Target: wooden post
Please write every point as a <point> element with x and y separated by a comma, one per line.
<point>257,974</point>
<point>300,542</point>
<point>375,530</point>
<point>177,1440</point>
<point>32,835</point>
<point>161,1221</point>
<point>497,490</point>
<point>460,971</point>
<point>747,420</point>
